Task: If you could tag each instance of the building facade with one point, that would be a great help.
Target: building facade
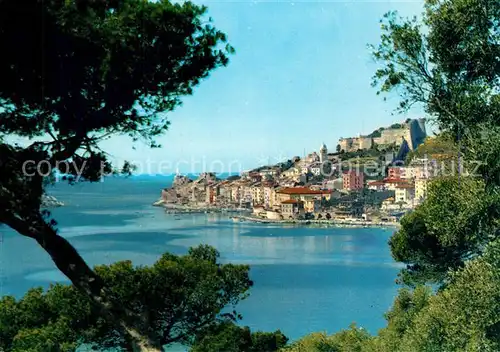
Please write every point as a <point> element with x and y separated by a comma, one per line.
<point>421,189</point>
<point>396,172</point>
<point>292,208</point>
<point>377,185</point>
<point>405,194</point>
<point>353,180</point>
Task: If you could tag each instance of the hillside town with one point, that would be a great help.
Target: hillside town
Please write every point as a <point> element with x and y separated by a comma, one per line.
<point>321,185</point>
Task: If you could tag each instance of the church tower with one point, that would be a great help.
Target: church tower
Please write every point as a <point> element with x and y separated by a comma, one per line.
<point>323,153</point>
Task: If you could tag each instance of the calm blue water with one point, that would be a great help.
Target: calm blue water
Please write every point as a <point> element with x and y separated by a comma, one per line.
<point>306,279</point>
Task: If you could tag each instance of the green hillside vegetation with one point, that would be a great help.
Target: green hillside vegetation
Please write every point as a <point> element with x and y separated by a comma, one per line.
<point>461,317</point>
<point>378,132</point>
<point>441,148</point>
<point>448,62</point>
<point>451,241</point>
<point>372,153</point>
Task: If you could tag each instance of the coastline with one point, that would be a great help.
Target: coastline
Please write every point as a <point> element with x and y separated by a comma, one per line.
<point>336,223</point>
<point>172,208</point>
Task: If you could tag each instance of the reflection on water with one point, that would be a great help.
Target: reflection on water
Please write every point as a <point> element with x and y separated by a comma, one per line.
<point>306,278</point>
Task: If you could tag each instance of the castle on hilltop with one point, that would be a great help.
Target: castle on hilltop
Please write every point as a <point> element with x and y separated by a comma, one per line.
<point>411,132</point>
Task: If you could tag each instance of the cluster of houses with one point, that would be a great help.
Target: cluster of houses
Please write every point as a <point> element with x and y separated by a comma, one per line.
<point>295,190</point>
<point>409,184</point>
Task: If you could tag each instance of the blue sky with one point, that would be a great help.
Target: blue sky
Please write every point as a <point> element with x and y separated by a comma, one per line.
<point>300,76</point>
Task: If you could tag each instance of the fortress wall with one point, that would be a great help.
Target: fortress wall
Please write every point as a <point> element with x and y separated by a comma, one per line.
<point>414,133</point>
<point>393,136</point>
<point>365,143</point>
<point>345,144</point>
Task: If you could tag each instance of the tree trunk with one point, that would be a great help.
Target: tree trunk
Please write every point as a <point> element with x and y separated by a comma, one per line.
<point>72,265</point>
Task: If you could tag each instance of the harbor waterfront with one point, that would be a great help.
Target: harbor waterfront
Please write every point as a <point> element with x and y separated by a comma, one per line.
<point>336,223</point>
<point>306,278</point>
<point>182,176</point>
<point>185,209</point>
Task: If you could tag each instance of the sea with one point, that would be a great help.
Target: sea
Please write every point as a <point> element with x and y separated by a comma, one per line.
<point>306,279</point>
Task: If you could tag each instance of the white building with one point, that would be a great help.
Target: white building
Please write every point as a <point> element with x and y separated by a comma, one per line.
<point>269,172</point>
<point>405,194</point>
<point>421,189</point>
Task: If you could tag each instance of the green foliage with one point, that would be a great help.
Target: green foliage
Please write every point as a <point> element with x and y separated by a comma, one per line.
<point>450,63</point>
<point>483,155</point>
<point>229,337</point>
<point>455,222</point>
<point>464,316</point>
<point>181,296</point>
<point>128,168</point>
<point>450,67</point>
<point>353,339</point>
<point>365,153</point>
<point>115,69</point>
<point>376,133</point>
<point>87,71</point>
<point>441,148</point>
<point>400,318</point>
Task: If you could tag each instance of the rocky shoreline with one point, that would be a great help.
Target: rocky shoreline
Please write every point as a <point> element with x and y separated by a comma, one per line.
<point>336,223</point>
<point>51,202</point>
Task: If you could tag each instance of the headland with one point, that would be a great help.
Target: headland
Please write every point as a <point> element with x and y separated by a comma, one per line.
<point>320,187</point>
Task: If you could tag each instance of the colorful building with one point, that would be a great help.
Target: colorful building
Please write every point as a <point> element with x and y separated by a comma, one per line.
<point>291,208</point>
<point>257,193</point>
<point>377,185</point>
<point>353,180</point>
<point>392,183</point>
<point>212,191</point>
<point>396,172</point>
<point>272,172</point>
<point>312,205</point>
<point>405,193</point>
<point>310,198</point>
<point>300,193</point>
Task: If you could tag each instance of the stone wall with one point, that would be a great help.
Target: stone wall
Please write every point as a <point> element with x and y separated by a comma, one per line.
<point>364,142</point>
<point>391,136</point>
<point>353,144</point>
<point>413,132</point>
